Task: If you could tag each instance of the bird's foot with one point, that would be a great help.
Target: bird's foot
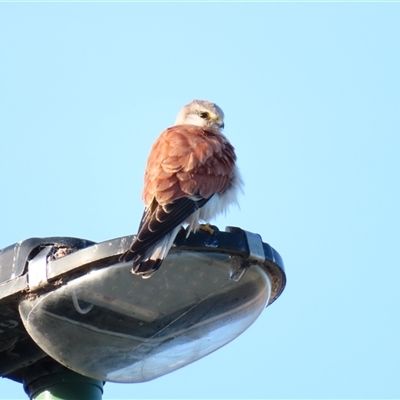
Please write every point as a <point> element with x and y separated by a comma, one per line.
<point>207,228</point>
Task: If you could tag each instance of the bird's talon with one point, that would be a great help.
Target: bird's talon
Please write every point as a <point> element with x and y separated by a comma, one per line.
<point>207,228</point>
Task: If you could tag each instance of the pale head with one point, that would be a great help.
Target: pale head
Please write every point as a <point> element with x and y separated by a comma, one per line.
<point>201,113</point>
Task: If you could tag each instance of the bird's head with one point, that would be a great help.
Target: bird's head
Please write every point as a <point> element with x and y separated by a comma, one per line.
<point>201,113</point>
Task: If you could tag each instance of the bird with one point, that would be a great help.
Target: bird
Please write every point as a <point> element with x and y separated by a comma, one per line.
<point>191,176</point>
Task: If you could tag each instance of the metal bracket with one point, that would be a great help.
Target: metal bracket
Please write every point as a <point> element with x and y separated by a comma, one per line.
<point>256,252</point>
<point>254,244</point>
<point>37,269</point>
<point>256,248</point>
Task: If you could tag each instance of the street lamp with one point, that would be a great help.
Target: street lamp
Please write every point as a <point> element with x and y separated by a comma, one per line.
<point>82,307</point>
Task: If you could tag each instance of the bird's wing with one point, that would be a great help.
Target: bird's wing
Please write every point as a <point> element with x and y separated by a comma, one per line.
<point>158,221</point>
<point>187,165</point>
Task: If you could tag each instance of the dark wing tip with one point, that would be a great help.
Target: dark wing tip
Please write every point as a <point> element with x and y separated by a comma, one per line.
<point>127,256</point>
<point>146,268</point>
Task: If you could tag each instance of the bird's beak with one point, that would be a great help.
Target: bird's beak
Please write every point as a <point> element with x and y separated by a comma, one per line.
<point>220,123</point>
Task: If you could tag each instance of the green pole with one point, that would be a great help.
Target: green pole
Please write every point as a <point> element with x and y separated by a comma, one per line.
<point>65,385</point>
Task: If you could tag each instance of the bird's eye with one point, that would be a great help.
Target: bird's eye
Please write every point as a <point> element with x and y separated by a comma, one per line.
<point>204,115</point>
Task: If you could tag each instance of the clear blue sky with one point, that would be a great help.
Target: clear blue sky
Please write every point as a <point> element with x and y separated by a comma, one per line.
<point>311,94</point>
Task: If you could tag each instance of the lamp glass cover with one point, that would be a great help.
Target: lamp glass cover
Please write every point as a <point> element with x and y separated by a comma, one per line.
<point>115,326</point>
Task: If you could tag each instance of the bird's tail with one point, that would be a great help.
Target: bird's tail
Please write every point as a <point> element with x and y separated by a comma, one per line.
<point>147,261</point>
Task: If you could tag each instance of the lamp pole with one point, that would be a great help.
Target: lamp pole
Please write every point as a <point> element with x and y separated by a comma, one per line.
<point>63,385</point>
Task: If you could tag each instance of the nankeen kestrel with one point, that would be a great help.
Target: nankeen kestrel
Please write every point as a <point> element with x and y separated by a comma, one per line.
<point>191,176</point>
